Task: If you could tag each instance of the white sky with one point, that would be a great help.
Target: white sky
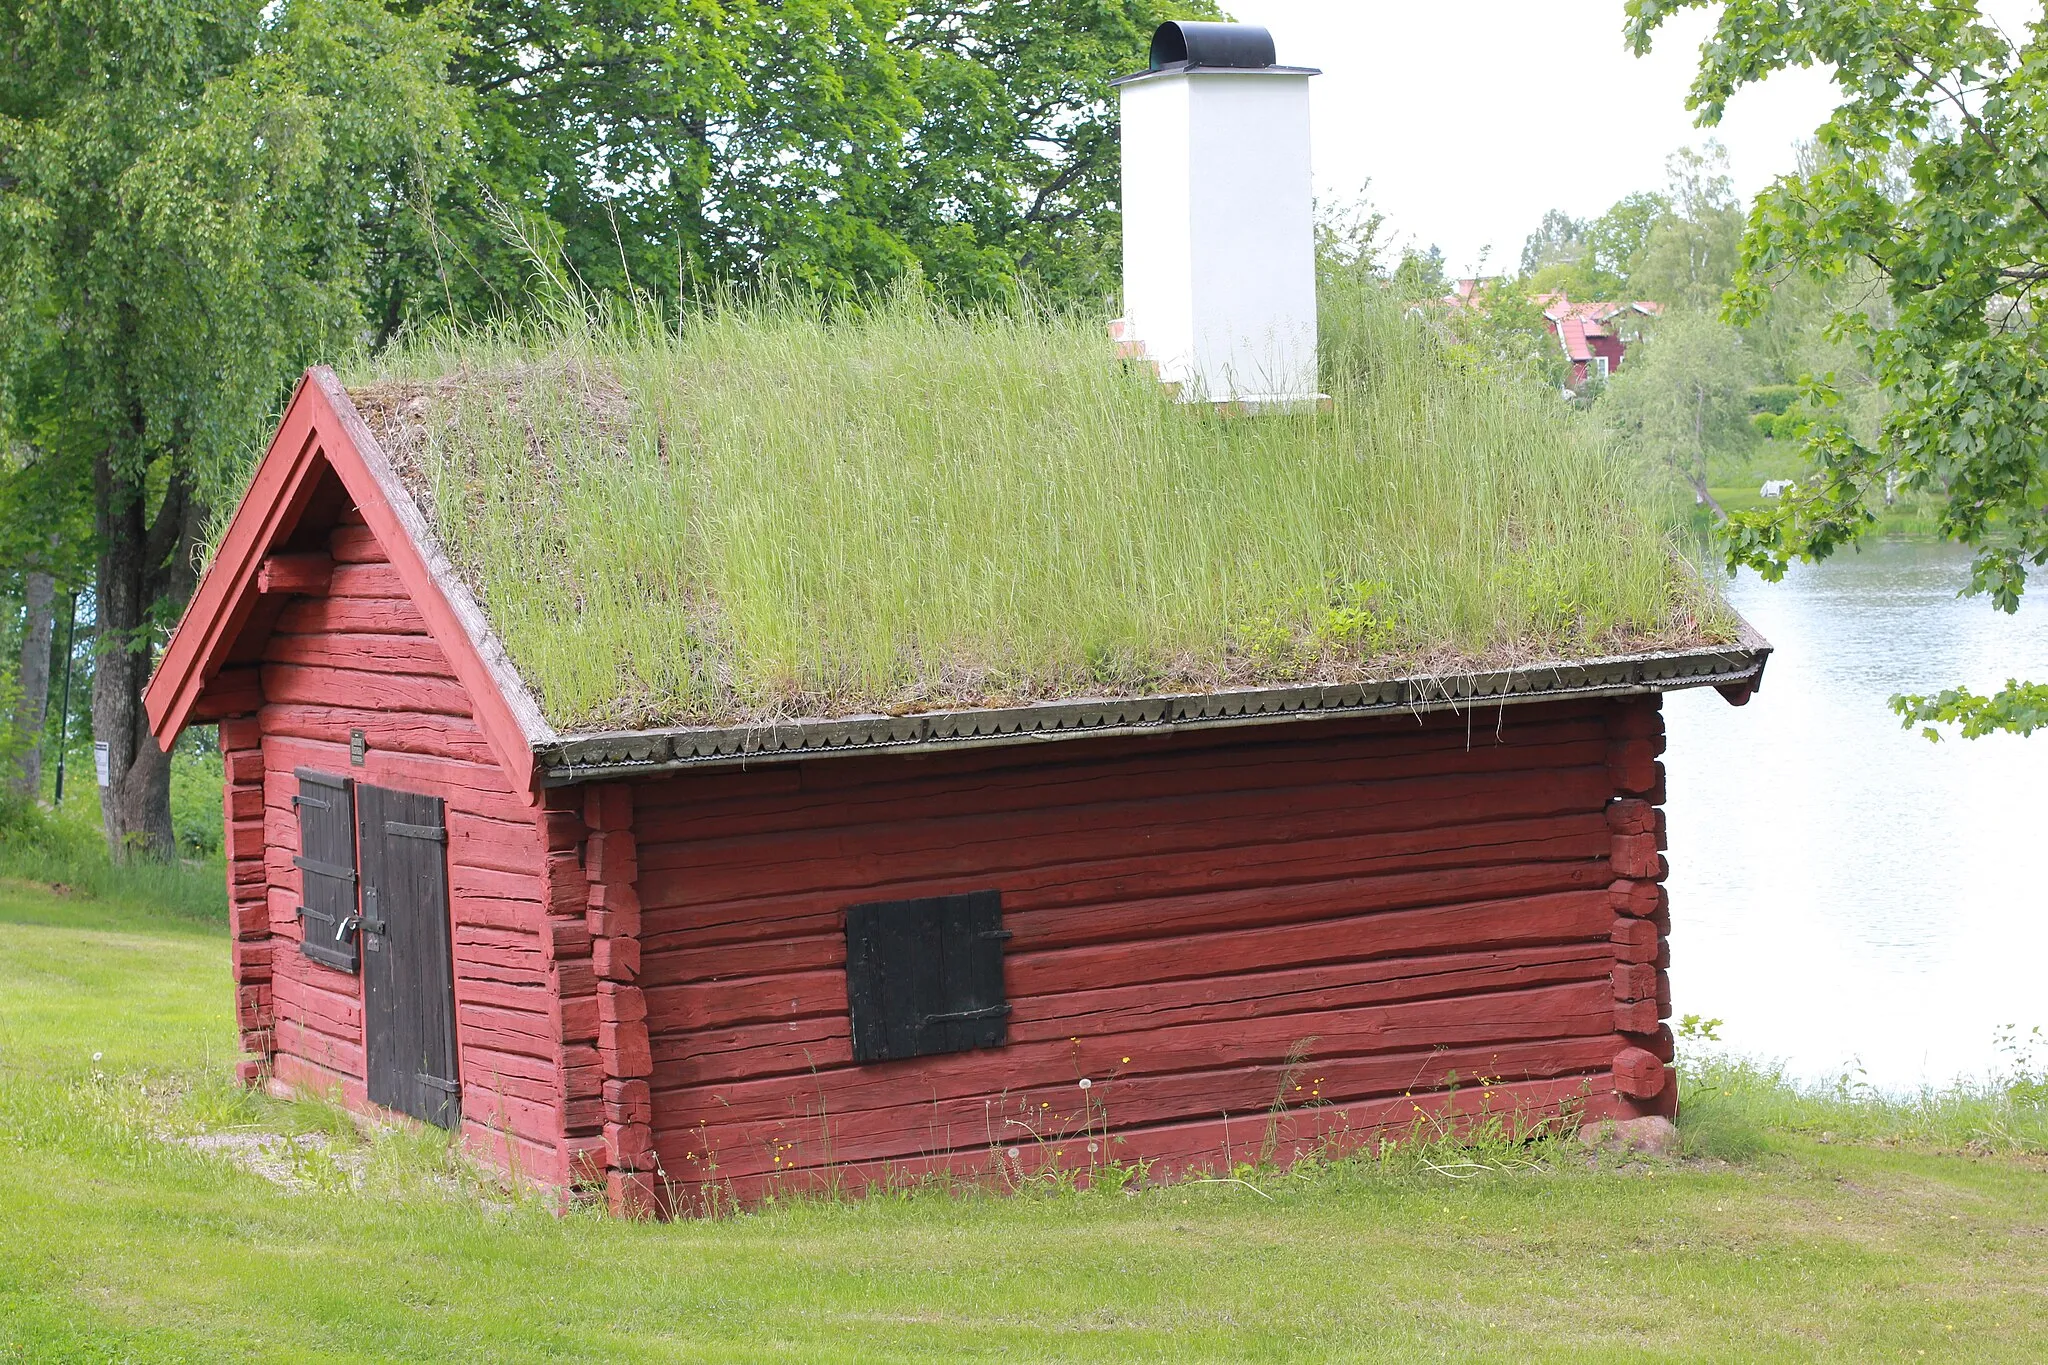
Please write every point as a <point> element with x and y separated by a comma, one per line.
<point>1472,117</point>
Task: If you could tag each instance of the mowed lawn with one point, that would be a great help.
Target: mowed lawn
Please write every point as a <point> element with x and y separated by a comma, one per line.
<point>118,1242</point>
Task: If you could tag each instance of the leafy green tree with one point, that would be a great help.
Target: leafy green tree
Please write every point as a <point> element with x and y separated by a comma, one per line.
<point>1688,254</point>
<point>1559,239</point>
<point>1419,274</point>
<point>188,194</point>
<point>596,120</point>
<point>1597,258</point>
<point>1013,160</point>
<point>1619,239</point>
<point>1961,250</point>
<point>1350,237</point>
<point>45,543</point>
<point>1683,397</point>
<point>674,146</point>
<point>1503,331</point>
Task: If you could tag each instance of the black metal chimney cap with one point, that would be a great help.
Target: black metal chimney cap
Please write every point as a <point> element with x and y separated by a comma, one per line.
<point>1182,43</point>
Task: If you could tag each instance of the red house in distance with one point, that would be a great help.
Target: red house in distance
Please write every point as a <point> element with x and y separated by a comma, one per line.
<point>1593,336</point>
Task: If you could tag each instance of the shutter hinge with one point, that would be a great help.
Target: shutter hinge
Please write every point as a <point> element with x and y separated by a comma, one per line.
<point>451,1087</point>
<point>405,831</point>
<point>320,869</point>
<point>997,934</point>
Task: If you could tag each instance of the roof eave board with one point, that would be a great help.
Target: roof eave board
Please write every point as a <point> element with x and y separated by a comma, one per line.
<point>1736,669</point>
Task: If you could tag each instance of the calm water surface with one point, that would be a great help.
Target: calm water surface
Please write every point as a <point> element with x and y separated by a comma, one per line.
<point>1843,892</point>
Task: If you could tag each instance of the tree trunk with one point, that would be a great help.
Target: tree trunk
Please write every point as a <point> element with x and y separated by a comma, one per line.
<point>699,262</point>
<point>34,705</point>
<point>141,561</point>
<point>1702,498</point>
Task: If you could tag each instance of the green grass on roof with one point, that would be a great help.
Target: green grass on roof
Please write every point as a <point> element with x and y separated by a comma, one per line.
<point>767,513</point>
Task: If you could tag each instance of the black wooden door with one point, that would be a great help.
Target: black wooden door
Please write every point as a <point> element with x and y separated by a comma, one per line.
<point>408,963</point>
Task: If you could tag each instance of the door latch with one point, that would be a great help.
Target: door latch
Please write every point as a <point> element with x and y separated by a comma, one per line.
<point>371,920</point>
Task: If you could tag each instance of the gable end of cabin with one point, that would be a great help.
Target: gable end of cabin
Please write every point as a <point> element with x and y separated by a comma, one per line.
<point>408,921</point>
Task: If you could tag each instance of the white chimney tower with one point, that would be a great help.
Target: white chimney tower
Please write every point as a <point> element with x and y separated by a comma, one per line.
<point>1218,207</point>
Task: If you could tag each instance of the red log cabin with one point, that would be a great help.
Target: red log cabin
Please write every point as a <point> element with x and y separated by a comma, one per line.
<point>1200,928</point>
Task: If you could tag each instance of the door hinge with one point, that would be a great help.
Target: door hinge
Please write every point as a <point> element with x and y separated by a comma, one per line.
<point>962,1016</point>
<point>320,869</point>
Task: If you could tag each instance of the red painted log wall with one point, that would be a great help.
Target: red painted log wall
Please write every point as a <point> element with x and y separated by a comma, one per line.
<point>1246,943</point>
<point>356,655</point>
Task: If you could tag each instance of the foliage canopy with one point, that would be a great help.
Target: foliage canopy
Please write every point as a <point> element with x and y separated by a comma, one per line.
<point>1684,396</point>
<point>1960,246</point>
<point>673,147</point>
<point>191,196</point>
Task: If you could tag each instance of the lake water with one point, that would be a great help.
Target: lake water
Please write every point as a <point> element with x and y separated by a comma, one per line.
<point>1843,893</point>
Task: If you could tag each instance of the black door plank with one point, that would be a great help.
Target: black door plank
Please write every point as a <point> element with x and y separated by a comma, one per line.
<point>409,972</point>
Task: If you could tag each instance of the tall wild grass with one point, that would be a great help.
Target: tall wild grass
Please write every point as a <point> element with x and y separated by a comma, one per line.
<point>770,510</point>
<point>66,846</point>
<point>1735,1107</point>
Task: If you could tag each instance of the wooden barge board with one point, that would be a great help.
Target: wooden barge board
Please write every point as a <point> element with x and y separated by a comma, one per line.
<point>1736,669</point>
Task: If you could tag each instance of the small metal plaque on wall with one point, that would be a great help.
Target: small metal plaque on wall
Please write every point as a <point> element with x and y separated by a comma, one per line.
<point>358,746</point>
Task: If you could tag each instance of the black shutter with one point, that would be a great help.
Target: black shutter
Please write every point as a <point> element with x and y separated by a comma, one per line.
<point>408,966</point>
<point>926,976</point>
<point>327,868</point>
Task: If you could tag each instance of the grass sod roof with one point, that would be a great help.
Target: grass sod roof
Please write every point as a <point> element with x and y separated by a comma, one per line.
<point>766,515</point>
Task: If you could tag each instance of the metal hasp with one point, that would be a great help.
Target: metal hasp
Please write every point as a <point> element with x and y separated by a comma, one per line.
<point>926,976</point>
<point>1219,219</point>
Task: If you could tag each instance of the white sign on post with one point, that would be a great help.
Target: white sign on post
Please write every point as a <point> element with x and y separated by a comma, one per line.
<point>99,760</point>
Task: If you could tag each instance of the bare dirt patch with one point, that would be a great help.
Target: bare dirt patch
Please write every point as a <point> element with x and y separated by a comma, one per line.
<point>292,1162</point>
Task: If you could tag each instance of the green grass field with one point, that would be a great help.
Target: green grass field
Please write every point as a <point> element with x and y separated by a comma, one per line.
<point>1736,482</point>
<point>1919,1230</point>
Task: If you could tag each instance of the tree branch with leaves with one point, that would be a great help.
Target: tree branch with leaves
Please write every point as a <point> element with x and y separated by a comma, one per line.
<point>1959,247</point>
<point>191,194</point>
